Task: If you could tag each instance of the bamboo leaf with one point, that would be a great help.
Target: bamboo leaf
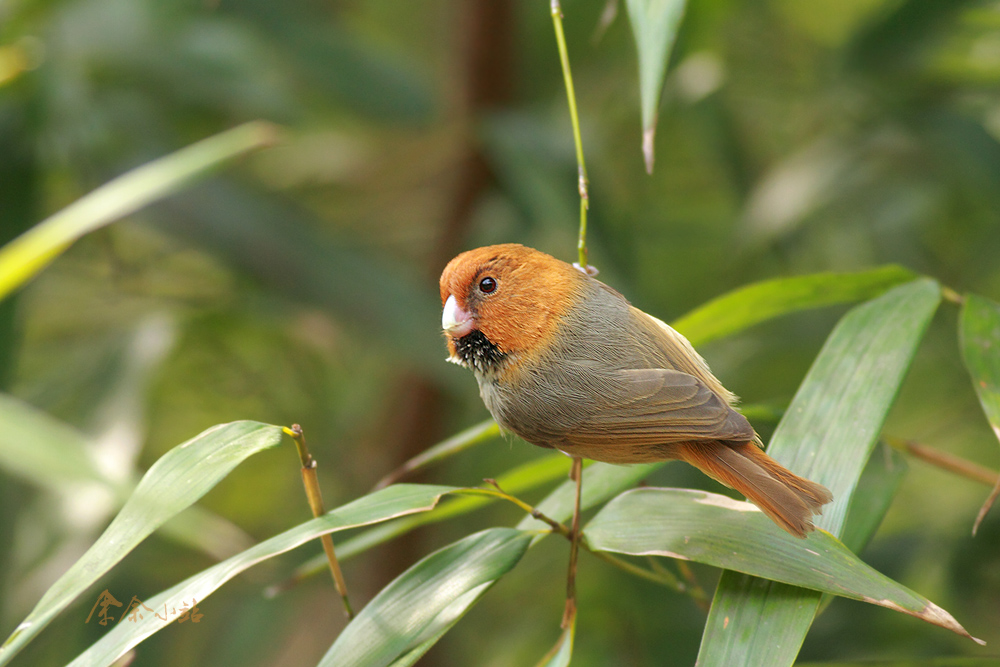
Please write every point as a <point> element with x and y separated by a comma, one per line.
<point>427,598</point>
<point>43,450</point>
<point>382,505</point>
<point>208,532</point>
<point>876,489</point>
<point>826,435</point>
<point>979,337</point>
<point>654,26</point>
<point>474,435</point>
<point>744,307</point>
<point>562,652</point>
<point>719,531</point>
<point>175,482</point>
<point>29,253</point>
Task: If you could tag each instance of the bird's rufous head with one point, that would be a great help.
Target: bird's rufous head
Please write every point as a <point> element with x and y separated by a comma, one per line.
<point>503,299</point>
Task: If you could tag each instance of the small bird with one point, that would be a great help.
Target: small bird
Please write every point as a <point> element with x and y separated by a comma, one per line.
<point>565,362</point>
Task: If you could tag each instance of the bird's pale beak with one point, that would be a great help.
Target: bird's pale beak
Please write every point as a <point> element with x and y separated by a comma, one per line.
<point>455,321</point>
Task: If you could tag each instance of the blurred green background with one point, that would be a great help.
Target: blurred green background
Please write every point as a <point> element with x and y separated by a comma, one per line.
<point>301,285</point>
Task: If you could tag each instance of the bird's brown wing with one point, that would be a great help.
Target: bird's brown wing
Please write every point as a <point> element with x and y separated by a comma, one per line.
<point>656,406</point>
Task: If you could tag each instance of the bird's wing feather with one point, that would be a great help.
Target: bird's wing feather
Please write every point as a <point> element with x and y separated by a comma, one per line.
<point>657,406</point>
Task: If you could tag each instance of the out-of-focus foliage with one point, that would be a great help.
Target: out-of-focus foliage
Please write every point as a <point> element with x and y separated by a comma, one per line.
<point>301,287</point>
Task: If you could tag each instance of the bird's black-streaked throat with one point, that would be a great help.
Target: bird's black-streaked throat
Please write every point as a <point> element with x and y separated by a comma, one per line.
<point>474,350</point>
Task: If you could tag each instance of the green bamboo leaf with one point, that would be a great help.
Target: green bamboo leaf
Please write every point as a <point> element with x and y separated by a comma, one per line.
<point>175,482</point>
<point>198,528</point>
<point>562,652</point>
<point>826,435</point>
<point>717,530</point>
<point>979,331</point>
<point>876,489</point>
<point>445,621</point>
<point>979,337</point>
<point>42,449</point>
<point>474,435</point>
<point>744,307</point>
<point>29,253</point>
<point>426,598</point>
<point>382,505</point>
<point>421,649</point>
<point>654,25</point>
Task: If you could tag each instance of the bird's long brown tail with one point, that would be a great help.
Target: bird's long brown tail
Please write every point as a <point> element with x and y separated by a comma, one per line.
<point>790,500</point>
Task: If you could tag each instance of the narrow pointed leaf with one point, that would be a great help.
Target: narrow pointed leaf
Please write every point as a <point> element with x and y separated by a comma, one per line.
<point>980,339</point>
<point>744,307</point>
<point>41,449</point>
<point>876,489</point>
<point>474,435</point>
<point>562,652</point>
<point>826,435</point>
<point>198,528</point>
<point>717,530</point>
<point>421,649</point>
<point>654,26</point>
<point>426,598</point>
<point>979,336</point>
<point>175,482</point>
<point>388,503</point>
<point>29,253</point>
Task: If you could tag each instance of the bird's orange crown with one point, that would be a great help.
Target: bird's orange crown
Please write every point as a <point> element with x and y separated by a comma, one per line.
<point>521,311</point>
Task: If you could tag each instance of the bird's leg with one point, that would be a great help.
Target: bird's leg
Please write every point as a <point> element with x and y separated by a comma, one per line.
<point>569,614</point>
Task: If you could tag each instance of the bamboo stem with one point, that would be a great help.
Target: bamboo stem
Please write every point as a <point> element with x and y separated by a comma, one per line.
<point>945,461</point>
<point>581,165</point>
<point>315,498</point>
<point>569,614</point>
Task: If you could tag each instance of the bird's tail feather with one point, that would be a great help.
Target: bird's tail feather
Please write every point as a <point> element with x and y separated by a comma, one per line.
<point>788,499</point>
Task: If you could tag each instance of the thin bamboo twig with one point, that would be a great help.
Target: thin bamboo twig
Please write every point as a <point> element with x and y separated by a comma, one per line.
<point>659,576</point>
<point>315,498</point>
<point>984,510</point>
<point>569,614</point>
<point>581,165</point>
<point>535,514</point>
<point>693,588</point>
<point>945,461</point>
<point>948,294</point>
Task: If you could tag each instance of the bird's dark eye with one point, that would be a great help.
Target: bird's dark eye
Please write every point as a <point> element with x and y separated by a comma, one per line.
<point>487,285</point>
